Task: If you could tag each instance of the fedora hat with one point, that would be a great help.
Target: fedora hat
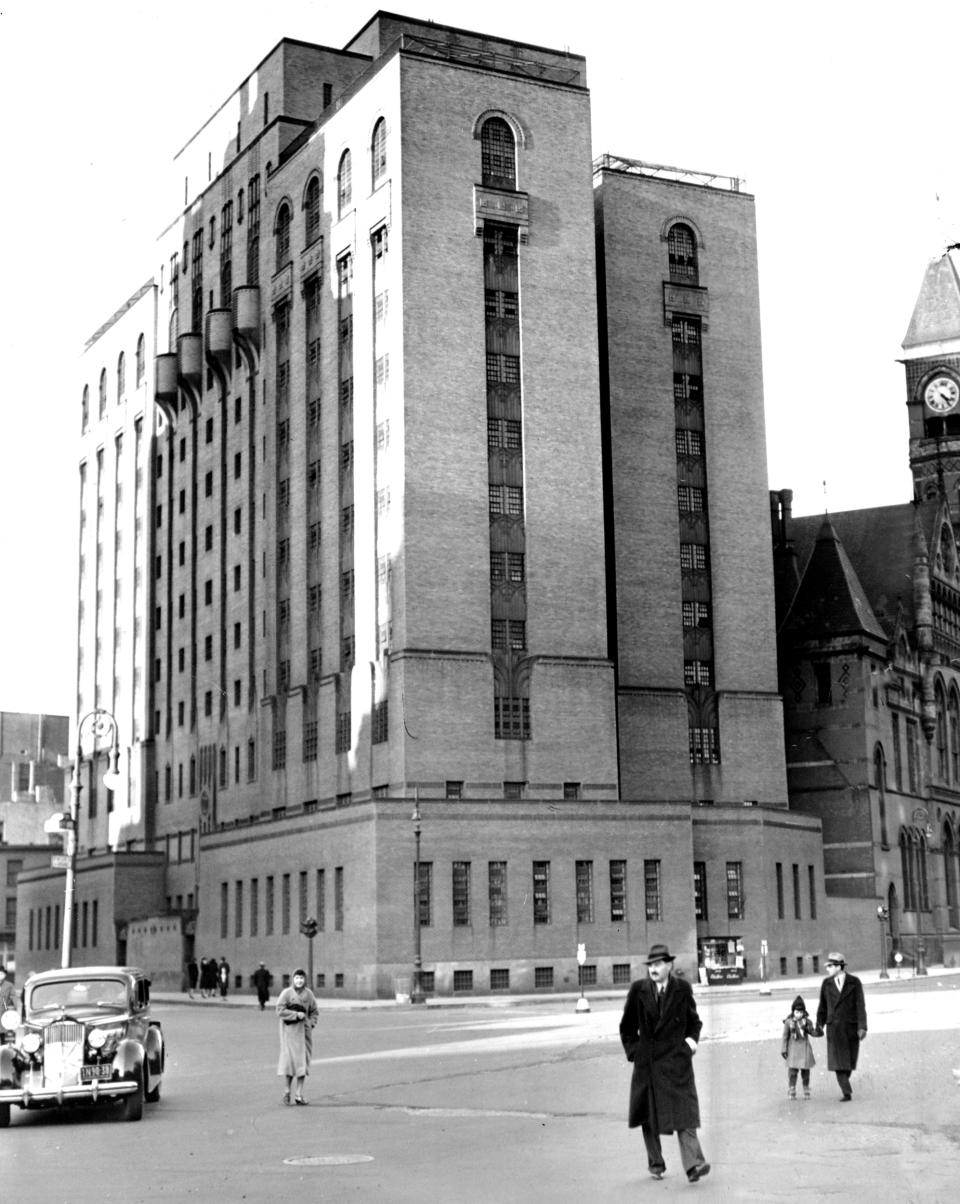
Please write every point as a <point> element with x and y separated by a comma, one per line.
<point>836,957</point>
<point>659,953</point>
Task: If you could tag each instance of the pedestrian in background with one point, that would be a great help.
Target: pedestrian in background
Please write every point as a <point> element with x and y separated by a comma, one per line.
<point>796,1049</point>
<point>8,993</point>
<point>660,1029</point>
<point>262,978</point>
<point>298,1012</point>
<point>843,1013</point>
<point>223,976</point>
<point>193,975</point>
<point>208,977</point>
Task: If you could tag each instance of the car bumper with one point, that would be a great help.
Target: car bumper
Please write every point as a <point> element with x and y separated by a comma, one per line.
<point>78,1092</point>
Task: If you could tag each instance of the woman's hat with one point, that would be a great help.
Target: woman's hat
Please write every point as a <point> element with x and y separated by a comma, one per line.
<point>659,953</point>
<point>798,1005</point>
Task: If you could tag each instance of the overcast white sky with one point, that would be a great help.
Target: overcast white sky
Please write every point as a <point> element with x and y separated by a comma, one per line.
<point>841,117</point>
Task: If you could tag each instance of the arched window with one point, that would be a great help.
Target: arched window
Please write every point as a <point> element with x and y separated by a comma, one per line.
<point>943,768</point>
<point>141,364</point>
<point>923,894</point>
<point>311,207</point>
<point>283,235</point>
<point>953,726</point>
<point>344,184</point>
<point>103,392</point>
<point>85,409</point>
<point>378,152</point>
<point>121,375</point>
<point>880,779</point>
<point>907,870</point>
<point>498,154</point>
<point>682,254</point>
<point>173,330</point>
<point>949,845</point>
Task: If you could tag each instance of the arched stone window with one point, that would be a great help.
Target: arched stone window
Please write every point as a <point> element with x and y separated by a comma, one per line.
<point>682,254</point>
<point>103,392</point>
<point>282,235</point>
<point>121,375</point>
<point>953,730</point>
<point>920,849</point>
<point>498,154</point>
<point>85,409</point>
<point>311,207</point>
<point>378,152</point>
<point>141,360</point>
<point>950,868</point>
<point>880,780</point>
<point>908,871</point>
<point>344,184</point>
<point>943,767</point>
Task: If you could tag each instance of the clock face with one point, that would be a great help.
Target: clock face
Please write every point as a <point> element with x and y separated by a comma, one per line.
<point>942,394</point>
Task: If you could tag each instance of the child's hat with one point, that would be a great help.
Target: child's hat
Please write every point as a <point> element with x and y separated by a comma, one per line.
<point>798,1005</point>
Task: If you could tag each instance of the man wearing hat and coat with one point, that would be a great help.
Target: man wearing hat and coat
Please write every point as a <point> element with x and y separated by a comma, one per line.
<point>843,1011</point>
<point>660,1029</point>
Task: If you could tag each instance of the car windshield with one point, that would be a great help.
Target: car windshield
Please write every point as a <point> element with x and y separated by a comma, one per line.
<point>108,994</point>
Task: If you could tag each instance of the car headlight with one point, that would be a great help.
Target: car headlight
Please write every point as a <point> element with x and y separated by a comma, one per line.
<point>97,1038</point>
<point>31,1042</point>
<point>9,1020</point>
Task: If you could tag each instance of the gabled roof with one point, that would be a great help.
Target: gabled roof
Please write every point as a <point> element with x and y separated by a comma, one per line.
<point>936,315</point>
<point>830,601</point>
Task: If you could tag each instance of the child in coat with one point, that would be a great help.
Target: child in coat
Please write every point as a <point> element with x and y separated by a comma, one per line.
<point>796,1049</point>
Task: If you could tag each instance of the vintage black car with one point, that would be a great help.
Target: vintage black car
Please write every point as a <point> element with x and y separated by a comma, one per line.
<point>85,1036</point>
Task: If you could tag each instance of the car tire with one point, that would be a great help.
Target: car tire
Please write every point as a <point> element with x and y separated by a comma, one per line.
<point>133,1103</point>
<point>4,1116</point>
<point>153,1094</point>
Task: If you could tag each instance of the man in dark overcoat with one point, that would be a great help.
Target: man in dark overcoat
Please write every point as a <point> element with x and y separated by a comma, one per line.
<point>660,1029</point>
<point>843,1012</point>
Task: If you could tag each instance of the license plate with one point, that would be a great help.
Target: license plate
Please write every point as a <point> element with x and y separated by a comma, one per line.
<point>89,1073</point>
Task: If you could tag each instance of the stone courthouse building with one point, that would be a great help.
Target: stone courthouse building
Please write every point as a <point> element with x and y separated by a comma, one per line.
<point>427,476</point>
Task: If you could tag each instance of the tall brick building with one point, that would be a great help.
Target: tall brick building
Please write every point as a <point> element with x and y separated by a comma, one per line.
<point>419,532</point>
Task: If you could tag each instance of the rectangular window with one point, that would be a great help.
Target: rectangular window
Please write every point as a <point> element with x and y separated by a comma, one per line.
<point>780,903</point>
<point>497,893</point>
<point>897,759</point>
<point>338,898</point>
<point>734,890</point>
<point>238,909</point>
<point>700,890</point>
<point>618,891</point>
<point>696,614</point>
<point>621,974</point>
<point>463,980</point>
<point>426,893</point>
<point>653,899</point>
<point>224,908</point>
<point>511,718</point>
<point>812,882</point>
<point>499,980</point>
<point>543,976</point>
<point>321,899</point>
<point>268,904</point>
<point>254,906</point>
<point>461,894</point>
<point>693,556</point>
<point>796,892</point>
<point>584,879</point>
<point>913,756</point>
<point>302,897</point>
<point>541,892</point>
<point>285,904</point>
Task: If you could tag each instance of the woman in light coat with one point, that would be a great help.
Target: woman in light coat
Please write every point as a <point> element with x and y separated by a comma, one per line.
<point>298,1013</point>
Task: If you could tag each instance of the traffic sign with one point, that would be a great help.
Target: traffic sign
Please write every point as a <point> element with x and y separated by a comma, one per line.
<point>60,861</point>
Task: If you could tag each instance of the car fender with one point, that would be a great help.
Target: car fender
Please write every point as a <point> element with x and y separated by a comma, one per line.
<point>154,1048</point>
<point>8,1066</point>
<point>128,1059</point>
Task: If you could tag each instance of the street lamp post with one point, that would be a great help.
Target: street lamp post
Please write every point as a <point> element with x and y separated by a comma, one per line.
<point>882,914</point>
<point>102,722</point>
<point>417,995</point>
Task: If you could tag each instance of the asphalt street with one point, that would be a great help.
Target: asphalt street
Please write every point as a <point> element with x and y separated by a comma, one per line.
<point>510,1103</point>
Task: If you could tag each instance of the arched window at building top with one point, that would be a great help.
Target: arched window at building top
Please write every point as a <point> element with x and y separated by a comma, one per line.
<point>498,154</point>
<point>141,365</point>
<point>311,207</point>
<point>85,409</point>
<point>880,780</point>
<point>943,767</point>
<point>344,184</point>
<point>378,152</point>
<point>682,254</point>
<point>121,375</point>
<point>283,235</point>
<point>103,392</point>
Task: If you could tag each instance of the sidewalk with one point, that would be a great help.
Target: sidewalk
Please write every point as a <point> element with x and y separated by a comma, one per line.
<point>779,986</point>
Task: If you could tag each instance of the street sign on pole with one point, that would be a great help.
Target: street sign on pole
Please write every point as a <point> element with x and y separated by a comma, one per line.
<point>59,861</point>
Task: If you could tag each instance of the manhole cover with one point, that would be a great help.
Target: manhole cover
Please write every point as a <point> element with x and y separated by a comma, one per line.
<point>328,1160</point>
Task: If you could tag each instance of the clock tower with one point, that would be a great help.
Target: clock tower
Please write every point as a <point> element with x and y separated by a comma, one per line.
<point>931,357</point>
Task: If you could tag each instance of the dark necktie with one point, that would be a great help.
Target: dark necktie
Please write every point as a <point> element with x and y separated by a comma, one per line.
<point>660,994</point>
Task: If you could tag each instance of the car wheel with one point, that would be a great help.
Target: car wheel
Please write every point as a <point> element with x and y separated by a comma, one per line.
<point>133,1103</point>
<point>153,1094</point>
<point>4,1116</point>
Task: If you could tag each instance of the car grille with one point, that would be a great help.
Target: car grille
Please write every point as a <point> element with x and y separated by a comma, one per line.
<point>64,1031</point>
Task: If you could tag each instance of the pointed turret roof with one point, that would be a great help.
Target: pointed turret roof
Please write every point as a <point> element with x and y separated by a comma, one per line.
<point>936,315</point>
<point>830,601</point>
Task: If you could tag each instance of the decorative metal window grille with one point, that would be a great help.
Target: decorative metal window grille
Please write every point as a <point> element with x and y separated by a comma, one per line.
<point>279,749</point>
<point>343,732</point>
<point>704,746</point>
<point>498,164</point>
<point>461,894</point>
<point>693,556</point>
<point>497,893</point>
<point>652,895</point>
<point>584,879</point>
<point>735,890</point>
<point>541,892</point>
<point>618,891</point>
<point>511,718</point>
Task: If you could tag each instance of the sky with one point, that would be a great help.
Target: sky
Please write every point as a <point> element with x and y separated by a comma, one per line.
<point>840,118</point>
